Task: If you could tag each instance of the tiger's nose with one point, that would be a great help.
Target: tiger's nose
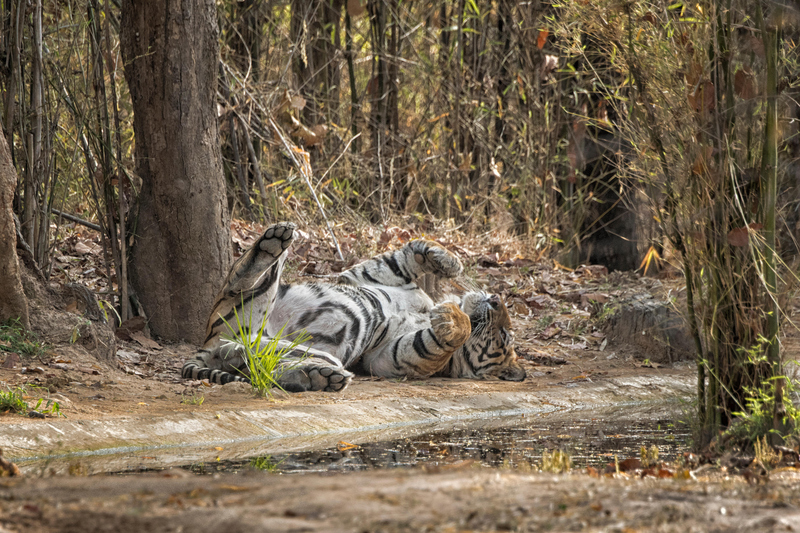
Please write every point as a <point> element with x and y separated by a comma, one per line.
<point>494,301</point>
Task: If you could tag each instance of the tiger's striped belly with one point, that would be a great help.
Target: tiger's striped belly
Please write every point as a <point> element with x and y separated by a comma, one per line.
<point>348,321</point>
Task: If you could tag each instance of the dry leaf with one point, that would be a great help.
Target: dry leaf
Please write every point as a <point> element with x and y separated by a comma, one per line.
<point>344,446</point>
<point>703,161</point>
<point>629,464</point>
<point>744,85</point>
<point>144,341</point>
<point>541,40</point>
<point>12,360</point>
<point>704,99</point>
<point>741,236</point>
<point>354,8</point>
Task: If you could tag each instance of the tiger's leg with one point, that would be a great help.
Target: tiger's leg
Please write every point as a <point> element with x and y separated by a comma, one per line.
<point>406,265</point>
<point>248,291</point>
<point>424,352</point>
<point>306,369</point>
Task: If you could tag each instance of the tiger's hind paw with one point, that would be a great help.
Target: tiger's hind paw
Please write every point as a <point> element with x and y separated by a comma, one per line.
<point>436,259</point>
<point>450,324</point>
<point>315,378</point>
<point>277,238</point>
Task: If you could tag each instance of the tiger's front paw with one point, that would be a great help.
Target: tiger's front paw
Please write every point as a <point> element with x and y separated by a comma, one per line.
<point>315,377</point>
<point>277,238</point>
<point>450,324</point>
<point>436,259</point>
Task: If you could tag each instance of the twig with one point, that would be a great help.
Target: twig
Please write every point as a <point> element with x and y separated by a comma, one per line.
<point>304,168</point>
<point>238,161</point>
<point>78,220</point>
<point>253,159</point>
<point>353,138</point>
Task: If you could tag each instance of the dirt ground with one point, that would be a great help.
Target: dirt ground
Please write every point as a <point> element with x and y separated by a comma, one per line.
<point>460,498</point>
<point>560,337</point>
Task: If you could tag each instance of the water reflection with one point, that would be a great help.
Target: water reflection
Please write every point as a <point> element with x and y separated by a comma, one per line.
<point>593,442</point>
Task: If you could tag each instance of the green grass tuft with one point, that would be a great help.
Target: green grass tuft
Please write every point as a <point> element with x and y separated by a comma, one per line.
<point>12,400</point>
<point>15,338</point>
<point>262,354</point>
<point>266,463</point>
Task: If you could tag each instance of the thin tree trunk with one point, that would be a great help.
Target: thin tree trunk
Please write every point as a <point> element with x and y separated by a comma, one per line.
<point>13,303</point>
<point>769,177</point>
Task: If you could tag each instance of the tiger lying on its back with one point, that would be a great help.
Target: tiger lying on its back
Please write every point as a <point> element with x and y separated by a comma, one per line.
<point>375,321</point>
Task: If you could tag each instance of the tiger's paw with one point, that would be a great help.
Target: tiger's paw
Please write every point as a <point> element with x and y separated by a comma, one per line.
<point>450,324</point>
<point>277,238</point>
<point>436,259</point>
<point>315,377</point>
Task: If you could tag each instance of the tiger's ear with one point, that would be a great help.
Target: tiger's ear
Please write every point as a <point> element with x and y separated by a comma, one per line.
<point>503,318</point>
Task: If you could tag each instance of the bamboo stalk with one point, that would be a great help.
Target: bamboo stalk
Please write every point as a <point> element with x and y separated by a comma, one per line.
<point>109,235</point>
<point>122,282</point>
<point>35,175</point>
<point>351,73</point>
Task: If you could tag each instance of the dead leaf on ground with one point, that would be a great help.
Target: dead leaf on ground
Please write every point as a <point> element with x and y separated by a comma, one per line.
<point>87,247</point>
<point>132,325</point>
<point>344,446</point>
<point>144,341</point>
<point>12,360</point>
<point>550,332</point>
<point>625,466</point>
<point>597,297</point>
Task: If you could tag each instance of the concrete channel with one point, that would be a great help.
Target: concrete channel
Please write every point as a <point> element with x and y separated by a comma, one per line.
<point>134,443</point>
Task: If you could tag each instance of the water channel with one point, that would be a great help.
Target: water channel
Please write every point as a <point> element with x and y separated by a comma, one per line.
<point>588,441</point>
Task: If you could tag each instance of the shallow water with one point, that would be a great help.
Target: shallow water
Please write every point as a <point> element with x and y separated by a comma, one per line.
<point>589,442</point>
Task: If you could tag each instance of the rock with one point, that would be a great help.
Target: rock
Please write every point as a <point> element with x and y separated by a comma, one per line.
<point>654,327</point>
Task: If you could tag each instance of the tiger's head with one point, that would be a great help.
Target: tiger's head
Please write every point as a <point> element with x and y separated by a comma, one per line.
<point>489,350</point>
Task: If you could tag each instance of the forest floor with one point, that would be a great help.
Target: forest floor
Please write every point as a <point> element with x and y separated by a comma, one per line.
<point>561,319</point>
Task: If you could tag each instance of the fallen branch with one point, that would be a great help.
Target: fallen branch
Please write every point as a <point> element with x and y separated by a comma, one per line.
<point>77,220</point>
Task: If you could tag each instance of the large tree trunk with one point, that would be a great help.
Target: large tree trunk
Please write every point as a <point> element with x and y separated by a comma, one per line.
<point>13,303</point>
<point>181,251</point>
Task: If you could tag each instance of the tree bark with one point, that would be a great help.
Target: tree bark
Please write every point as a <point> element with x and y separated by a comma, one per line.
<point>181,251</point>
<point>13,303</point>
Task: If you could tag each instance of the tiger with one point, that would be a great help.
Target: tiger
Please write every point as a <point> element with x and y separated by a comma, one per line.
<point>373,319</point>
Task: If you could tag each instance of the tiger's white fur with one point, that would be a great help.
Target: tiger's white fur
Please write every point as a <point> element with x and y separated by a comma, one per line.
<point>376,320</point>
